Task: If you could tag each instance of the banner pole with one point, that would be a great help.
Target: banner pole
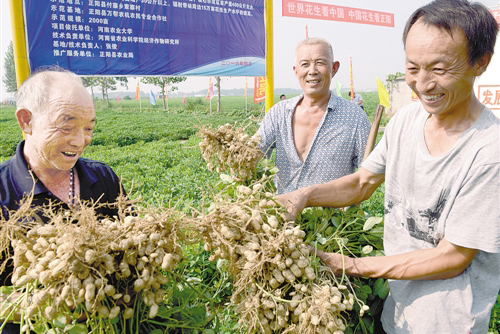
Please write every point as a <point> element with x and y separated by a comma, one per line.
<point>370,144</point>
<point>269,56</point>
<point>19,41</point>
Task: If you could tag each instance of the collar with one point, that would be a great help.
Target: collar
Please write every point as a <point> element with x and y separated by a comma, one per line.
<point>291,104</point>
<point>24,182</point>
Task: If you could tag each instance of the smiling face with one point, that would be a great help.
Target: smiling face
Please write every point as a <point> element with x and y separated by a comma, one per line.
<point>59,135</point>
<point>438,70</point>
<point>315,69</point>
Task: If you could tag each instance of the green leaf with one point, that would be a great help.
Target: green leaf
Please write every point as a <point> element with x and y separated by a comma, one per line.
<point>367,249</point>
<point>321,240</point>
<point>60,321</point>
<point>76,329</point>
<point>335,221</point>
<point>329,231</point>
<point>372,221</point>
<point>381,288</point>
<point>157,331</point>
<point>352,210</point>
<point>363,292</point>
<point>226,178</point>
<point>221,263</point>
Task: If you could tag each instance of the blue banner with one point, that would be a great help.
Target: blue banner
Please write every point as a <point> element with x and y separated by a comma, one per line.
<point>147,37</point>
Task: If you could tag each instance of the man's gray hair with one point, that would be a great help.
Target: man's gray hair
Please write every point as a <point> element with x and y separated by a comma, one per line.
<point>316,41</point>
<point>35,91</point>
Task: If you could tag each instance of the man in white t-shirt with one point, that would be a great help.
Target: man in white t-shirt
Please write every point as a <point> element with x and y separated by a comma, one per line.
<point>440,159</point>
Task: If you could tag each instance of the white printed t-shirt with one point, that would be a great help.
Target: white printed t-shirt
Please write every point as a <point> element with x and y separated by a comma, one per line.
<point>454,195</point>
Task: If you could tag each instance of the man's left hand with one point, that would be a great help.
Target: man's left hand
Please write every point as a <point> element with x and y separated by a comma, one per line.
<point>294,202</point>
<point>333,261</point>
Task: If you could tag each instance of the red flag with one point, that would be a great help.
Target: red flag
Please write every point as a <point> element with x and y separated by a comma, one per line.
<point>259,91</point>
<point>184,99</point>
<point>210,93</point>
<point>138,91</point>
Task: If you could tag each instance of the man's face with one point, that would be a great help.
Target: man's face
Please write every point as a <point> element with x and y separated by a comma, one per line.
<point>438,71</point>
<point>314,70</point>
<point>61,133</point>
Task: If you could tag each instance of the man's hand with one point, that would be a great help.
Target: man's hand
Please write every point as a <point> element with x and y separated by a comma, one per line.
<point>294,202</point>
<point>333,261</point>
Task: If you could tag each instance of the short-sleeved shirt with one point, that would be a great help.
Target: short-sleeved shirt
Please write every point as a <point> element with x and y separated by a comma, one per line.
<point>357,99</point>
<point>337,148</point>
<point>97,181</point>
<point>454,195</point>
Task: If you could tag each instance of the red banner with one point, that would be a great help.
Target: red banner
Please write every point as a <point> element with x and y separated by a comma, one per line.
<point>259,89</point>
<point>496,14</point>
<point>138,91</point>
<point>210,93</point>
<point>489,95</point>
<point>319,11</point>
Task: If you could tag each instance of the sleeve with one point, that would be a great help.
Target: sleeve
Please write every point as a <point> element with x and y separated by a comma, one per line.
<point>267,132</point>
<point>474,219</point>
<point>362,132</point>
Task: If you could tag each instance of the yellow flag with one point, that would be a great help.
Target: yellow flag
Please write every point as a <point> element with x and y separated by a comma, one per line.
<point>383,95</point>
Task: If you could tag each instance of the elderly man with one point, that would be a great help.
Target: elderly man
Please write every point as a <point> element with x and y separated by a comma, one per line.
<point>57,114</point>
<point>317,135</point>
<point>441,162</point>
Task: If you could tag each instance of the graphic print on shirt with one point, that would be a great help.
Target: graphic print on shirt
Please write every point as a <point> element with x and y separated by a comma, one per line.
<point>421,224</point>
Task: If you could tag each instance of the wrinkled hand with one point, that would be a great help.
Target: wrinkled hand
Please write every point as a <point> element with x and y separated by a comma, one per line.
<point>333,261</point>
<point>294,202</point>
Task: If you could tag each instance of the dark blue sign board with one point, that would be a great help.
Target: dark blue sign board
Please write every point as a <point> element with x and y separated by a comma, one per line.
<point>147,37</point>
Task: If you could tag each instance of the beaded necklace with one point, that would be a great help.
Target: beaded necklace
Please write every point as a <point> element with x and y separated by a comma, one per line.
<point>71,194</point>
<point>71,191</point>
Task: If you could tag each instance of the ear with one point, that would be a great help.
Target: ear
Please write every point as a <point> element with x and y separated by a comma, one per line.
<point>25,120</point>
<point>335,68</point>
<point>482,63</point>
